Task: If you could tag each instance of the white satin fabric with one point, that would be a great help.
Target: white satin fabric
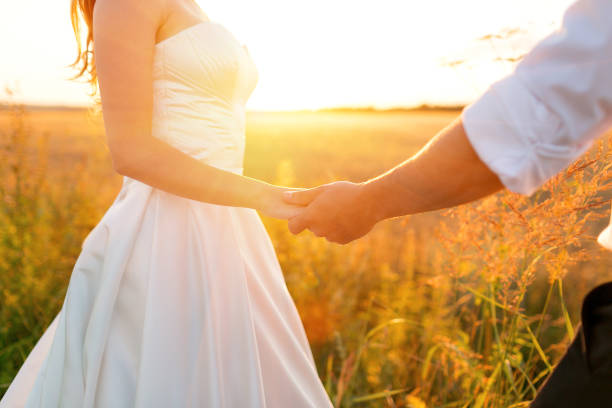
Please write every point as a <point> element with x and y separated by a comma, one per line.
<point>173,302</point>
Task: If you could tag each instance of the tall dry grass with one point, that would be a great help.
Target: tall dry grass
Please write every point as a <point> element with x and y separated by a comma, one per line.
<point>44,216</point>
<point>467,311</point>
<point>465,308</point>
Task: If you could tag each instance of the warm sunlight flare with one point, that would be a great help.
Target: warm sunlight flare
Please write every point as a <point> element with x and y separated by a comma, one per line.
<point>321,53</point>
<point>306,204</point>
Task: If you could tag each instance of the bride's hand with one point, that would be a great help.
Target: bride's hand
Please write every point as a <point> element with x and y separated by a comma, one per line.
<point>272,204</point>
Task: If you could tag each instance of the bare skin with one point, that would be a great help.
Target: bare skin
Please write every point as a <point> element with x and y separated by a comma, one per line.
<point>445,173</point>
<point>125,34</point>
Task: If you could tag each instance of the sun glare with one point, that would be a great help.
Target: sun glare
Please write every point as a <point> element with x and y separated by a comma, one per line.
<point>319,53</point>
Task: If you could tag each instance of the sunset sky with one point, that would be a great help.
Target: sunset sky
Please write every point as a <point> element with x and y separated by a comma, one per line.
<point>313,54</point>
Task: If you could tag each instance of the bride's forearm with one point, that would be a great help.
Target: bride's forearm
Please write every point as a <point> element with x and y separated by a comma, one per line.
<point>445,173</point>
<point>162,166</point>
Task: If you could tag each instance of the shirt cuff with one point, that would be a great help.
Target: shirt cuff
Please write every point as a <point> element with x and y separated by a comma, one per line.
<point>514,134</point>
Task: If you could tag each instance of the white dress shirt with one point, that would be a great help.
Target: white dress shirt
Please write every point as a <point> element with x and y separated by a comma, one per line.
<point>538,120</point>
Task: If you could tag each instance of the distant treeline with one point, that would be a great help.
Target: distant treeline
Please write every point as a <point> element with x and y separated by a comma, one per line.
<point>368,109</point>
<point>420,108</point>
<point>5,106</point>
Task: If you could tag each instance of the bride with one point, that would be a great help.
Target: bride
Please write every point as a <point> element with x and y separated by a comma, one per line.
<point>177,298</point>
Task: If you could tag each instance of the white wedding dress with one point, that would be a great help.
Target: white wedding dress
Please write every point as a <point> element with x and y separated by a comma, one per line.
<point>174,302</point>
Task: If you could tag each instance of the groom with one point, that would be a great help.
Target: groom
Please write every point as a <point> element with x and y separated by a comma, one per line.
<point>521,132</point>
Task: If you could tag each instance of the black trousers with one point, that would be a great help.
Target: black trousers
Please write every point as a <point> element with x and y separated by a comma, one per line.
<point>583,377</point>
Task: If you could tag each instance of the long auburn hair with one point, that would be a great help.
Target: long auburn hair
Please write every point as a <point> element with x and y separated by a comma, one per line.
<point>85,61</point>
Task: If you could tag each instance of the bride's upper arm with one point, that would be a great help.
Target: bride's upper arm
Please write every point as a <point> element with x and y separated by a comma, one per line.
<point>124,42</point>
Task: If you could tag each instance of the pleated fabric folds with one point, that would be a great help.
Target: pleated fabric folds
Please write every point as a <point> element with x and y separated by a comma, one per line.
<point>172,303</point>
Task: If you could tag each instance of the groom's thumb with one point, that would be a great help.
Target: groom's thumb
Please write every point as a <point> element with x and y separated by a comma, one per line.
<point>303,197</point>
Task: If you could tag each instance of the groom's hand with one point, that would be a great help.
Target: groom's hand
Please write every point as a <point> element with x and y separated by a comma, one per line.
<point>341,212</point>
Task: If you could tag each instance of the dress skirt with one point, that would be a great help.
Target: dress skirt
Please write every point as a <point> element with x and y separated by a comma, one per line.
<point>172,303</point>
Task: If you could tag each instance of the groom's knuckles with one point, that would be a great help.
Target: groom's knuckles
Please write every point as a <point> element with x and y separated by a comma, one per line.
<point>344,240</point>
<point>318,232</point>
<point>336,237</point>
<point>295,227</point>
<point>340,239</point>
<point>332,238</point>
<point>298,224</point>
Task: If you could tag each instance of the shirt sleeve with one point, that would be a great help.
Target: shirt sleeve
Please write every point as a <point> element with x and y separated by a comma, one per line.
<point>535,122</point>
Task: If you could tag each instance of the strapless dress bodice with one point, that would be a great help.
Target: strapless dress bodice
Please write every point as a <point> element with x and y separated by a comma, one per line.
<point>202,79</point>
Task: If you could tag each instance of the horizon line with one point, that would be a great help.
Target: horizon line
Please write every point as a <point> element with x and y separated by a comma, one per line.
<point>5,105</point>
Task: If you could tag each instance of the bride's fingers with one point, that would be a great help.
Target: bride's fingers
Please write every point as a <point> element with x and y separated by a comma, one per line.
<point>303,197</point>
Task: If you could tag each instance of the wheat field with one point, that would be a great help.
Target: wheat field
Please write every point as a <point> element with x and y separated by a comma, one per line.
<point>464,308</point>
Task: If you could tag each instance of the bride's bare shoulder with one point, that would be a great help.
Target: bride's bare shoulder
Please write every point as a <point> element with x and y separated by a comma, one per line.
<point>137,15</point>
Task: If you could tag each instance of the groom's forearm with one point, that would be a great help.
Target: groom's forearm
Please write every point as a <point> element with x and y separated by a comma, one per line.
<point>445,173</point>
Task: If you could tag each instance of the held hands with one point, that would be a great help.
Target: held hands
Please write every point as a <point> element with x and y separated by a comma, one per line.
<point>341,211</point>
<point>271,203</point>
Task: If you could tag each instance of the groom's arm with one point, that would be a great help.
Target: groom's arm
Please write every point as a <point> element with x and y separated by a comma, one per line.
<point>522,131</point>
<point>444,173</point>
